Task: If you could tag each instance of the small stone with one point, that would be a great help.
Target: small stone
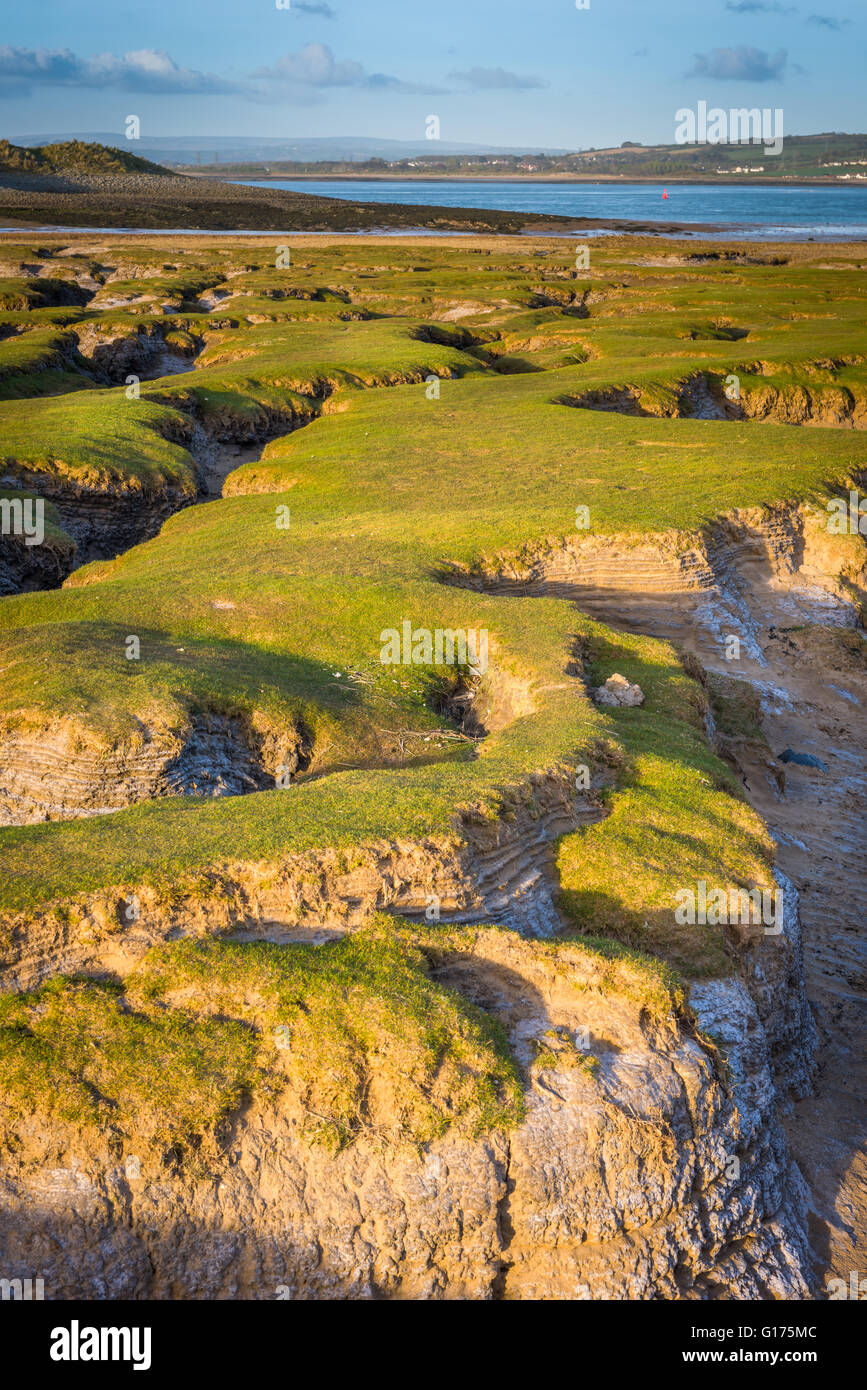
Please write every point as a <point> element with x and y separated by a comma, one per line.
<point>618,691</point>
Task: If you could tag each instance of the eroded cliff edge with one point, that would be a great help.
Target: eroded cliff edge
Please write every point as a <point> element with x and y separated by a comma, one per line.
<point>627,1142</point>
<point>648,1162</point>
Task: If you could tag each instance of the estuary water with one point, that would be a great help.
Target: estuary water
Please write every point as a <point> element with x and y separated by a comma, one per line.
<point>777,212</point>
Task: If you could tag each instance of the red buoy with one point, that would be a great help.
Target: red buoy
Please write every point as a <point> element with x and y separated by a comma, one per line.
<point>665,193</point>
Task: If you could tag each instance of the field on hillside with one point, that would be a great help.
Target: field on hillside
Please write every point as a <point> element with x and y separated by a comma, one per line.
<point>302,641</point>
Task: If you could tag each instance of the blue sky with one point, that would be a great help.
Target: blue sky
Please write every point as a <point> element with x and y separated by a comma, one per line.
<point>498,72</point>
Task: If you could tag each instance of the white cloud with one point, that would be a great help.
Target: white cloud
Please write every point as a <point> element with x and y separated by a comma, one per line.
<point>143,70</point>
<point>316,66</point>
<point>298,77</point>
<point>496,79</point>
<point>741,64</point>
<point>323,10</point>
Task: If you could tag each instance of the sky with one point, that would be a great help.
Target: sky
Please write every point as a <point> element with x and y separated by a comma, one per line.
<point>496,72</point>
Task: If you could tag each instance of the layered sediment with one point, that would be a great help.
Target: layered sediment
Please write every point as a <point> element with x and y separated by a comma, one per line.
<point>659,1172</point>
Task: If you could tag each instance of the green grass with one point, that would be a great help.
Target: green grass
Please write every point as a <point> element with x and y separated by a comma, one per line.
<point>87,156</point>
<point>597,963</point>
<point>102,438</point>
<point>96,439</point>
<point>38,363</point>
<point>389,492</point>
<point>22,293</point>
<point>162,843</point>
<point>675,814</point>
<point>737,708</point>
<point>55,536</point>
<point>355,1032</point>
<point>675,810</point>
<point>75,1051</point>
<point>448,460</point>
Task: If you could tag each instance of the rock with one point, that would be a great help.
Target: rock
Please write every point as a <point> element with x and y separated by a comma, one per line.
<point>618,691</point>
<point>60,770</point>
<point>24,567</point>
<point>802,759</point>
<point>656,1174</point>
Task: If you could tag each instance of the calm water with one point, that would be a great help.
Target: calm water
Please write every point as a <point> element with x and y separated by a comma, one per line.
<point>832,214</point>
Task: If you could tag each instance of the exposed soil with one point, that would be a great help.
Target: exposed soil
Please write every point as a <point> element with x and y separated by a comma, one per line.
<point>770,579</point>
<point>617,1183</point>
<point>656,1215</point>
<point>58,773</point>
<point>702,397</point>
<point>489,870</point>
<point>26,568</point>
<point>105,521</point>
<point>112,355</point>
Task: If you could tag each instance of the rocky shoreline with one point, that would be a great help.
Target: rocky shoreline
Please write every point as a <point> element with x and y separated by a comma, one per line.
<point>150,201</point>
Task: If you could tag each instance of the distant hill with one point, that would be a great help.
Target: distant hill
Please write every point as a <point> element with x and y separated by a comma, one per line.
<point>830,157</point>
<point>79,155</point>
<point>223,149</point>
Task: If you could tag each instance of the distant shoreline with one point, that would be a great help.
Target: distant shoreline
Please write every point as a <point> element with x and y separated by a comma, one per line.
<point>140,202</point>
<point>782,182</point>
